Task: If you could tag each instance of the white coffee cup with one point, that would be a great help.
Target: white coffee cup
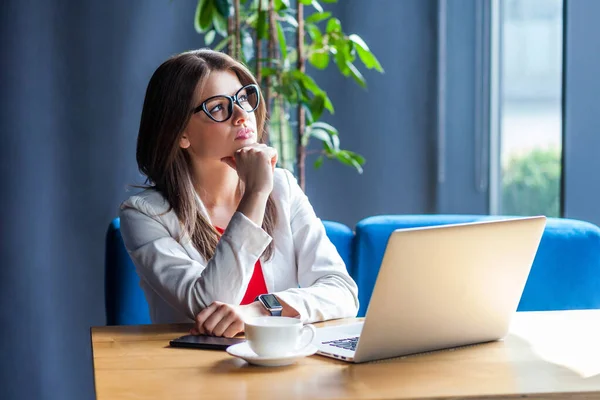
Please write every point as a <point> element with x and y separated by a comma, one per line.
<point>278,336</point>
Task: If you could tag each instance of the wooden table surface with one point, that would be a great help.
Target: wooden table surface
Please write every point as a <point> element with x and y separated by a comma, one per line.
<point>546,355</point>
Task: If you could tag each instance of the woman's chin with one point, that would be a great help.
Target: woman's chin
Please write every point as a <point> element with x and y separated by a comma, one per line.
<point>241,143</point>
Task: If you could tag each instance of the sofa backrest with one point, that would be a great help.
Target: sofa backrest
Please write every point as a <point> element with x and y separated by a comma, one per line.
<point>125,302</point>
<point>565,273</point>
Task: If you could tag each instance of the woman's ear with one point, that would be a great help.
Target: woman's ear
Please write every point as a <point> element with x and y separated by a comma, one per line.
<point>184,142</point>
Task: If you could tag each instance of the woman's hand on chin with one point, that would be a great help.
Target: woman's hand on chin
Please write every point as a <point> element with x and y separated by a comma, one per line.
<point>254,165</point>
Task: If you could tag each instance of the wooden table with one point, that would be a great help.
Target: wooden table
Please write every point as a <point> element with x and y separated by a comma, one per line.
<point>546,355</point>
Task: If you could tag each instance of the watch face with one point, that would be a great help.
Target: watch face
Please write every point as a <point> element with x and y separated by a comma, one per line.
<point>271,301</point>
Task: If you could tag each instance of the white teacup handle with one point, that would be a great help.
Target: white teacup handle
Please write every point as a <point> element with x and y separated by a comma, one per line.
<point>308,331</point>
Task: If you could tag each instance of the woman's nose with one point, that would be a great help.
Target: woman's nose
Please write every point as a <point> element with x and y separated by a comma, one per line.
<point>239,114</point>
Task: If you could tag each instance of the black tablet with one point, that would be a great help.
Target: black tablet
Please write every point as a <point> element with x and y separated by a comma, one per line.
<point>204,342</point>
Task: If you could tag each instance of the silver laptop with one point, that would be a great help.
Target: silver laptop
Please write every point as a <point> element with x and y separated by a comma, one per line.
<point>441,287</point>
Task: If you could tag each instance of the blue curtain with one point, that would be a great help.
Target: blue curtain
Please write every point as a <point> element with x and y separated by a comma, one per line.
<point>72,82</point>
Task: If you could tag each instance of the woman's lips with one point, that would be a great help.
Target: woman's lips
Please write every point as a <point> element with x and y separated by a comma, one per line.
<point>244,133</point>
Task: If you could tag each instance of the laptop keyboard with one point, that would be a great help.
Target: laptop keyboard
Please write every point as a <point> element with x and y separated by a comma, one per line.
<point>348,343</point>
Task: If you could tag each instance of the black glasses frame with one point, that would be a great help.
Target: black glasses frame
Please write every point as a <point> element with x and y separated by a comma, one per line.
<point>232,100</point>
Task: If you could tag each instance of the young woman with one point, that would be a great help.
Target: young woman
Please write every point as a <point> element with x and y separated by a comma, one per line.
<point>221,234</point>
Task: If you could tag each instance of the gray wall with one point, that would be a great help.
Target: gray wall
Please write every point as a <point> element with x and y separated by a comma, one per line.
<point>72,82</point>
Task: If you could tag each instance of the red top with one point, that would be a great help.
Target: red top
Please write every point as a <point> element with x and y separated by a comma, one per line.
<point>256,285</point>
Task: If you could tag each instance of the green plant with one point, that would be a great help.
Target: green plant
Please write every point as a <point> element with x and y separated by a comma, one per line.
<point>258,33</point>
<point>531,184</point>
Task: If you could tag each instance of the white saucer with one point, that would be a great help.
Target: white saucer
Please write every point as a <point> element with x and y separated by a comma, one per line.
<point>243,350</point>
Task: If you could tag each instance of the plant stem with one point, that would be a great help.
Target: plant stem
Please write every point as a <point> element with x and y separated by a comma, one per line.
<point>238,33</point>
<point>230,31</point>
<point>273,44</point>
<point>258,52</point>
<point>300,149</point>
<point>270,56</point>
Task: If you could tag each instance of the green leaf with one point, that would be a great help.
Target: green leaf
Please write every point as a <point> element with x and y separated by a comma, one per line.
<point>326,127</point>
<point>347,159</point>
<point>318,162</point>
<point>292,56</point>
<point>317,105</point>
<point>223,7</point>
<point>287,91</point>
<point>359,159</point>
<point>340,60</point>
<point>298,95</point>
<point>197,16</point>
<point>209,37</point>
<point>220,24</point>
<point>306,2</point>
<point>334,25</point>
<point>322,136</point>
<point>251,19</point>
<point>317,17</point>
<point>290,20</point>
<point>319,60</point>
<point>342,51</point>
<point>328,149</point>
<point>262,28</point>
<point>356,75</point>
<point>282,43</point>
<point>328,104</point>
<point>314,32</point>
<point>316,5</point>
<point>307,81</point>
<point>268,71</point>
<point>329,1</point>
<point>206,14</point>
<point>335,140</point>
<point>281,4</point>
<point>221,45</point>
<point>307,114</point>
<point>309,84</point>
<point>365,55</point>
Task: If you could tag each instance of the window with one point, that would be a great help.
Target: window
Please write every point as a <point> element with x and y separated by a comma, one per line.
<point>527,63</point>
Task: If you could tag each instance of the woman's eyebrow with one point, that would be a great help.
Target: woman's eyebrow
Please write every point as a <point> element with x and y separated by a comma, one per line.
<point>221,94</point>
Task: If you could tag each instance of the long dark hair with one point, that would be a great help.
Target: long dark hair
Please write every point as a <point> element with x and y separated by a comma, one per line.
<point>166,112</point>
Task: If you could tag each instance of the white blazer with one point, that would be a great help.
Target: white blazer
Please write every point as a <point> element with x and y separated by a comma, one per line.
<point>305,271</point>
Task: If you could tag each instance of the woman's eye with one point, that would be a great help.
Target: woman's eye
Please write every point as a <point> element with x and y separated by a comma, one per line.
<point>216,108</point>
<point>243,98</point>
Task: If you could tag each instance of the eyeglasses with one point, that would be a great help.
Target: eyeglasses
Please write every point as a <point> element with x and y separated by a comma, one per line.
<point>220,108</point>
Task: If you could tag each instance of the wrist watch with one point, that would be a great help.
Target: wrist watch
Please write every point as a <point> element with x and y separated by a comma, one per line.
<point>270,302</point>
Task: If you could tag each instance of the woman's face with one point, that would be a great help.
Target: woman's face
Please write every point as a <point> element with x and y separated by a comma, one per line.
<point>206,139</point>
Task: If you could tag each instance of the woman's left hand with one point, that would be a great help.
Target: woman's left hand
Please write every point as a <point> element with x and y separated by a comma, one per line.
<point>222,319</point>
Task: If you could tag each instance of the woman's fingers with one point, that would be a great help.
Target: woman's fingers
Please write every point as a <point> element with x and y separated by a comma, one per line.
<point>254,166</point>
<point>234,328</point>
<point>225,324</point>
<point>223,312</point>
<point>260,151</point>
<point>218,319</point>
<point>203,316</point>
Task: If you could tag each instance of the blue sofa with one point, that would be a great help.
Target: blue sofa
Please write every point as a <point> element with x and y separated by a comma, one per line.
<point>565,273</point>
